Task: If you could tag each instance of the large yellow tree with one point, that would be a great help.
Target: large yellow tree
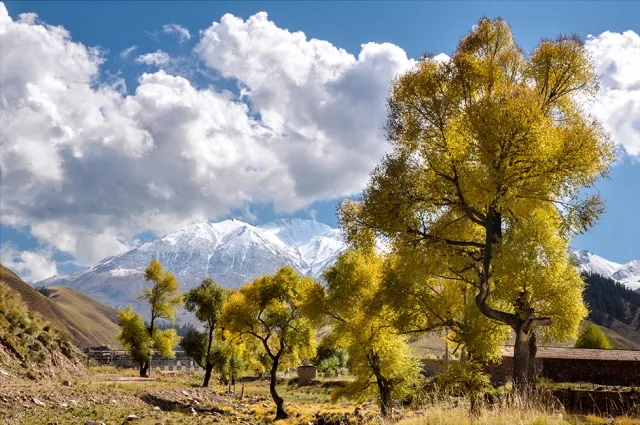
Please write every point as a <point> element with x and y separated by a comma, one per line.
<point>492,150</point>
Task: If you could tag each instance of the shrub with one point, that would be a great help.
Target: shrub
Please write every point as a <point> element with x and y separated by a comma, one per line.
<point>592,336</point>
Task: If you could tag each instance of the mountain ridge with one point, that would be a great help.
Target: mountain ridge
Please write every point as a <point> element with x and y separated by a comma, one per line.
<point>628,274</point>
<point>232,252</point>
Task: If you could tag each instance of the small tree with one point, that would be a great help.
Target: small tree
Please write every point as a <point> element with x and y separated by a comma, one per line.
<point>135,338</point>
<point>331,360</point>
<point>592,336</point>
<point>206,302</point>
<point>163,298</point>
<point>270,310</point>
<point>379,357</point>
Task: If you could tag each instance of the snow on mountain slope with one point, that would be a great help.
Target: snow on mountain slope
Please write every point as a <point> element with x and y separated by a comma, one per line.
<point>627,274</point>
<point>591,263</point>
<point>232,252</point>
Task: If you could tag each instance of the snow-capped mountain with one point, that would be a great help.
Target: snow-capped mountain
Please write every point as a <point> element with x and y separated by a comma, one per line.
<point>232,252</point>
<point>627,274</point>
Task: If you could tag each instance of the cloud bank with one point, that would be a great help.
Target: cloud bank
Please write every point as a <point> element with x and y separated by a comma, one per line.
<point>88,166</point>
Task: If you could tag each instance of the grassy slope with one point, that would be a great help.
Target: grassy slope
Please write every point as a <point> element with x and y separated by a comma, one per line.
<point>87,319</point>
<point>89,322</point>
<point>33,299</point>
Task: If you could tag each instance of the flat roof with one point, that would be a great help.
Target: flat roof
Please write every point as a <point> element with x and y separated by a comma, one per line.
<point>581,354</point>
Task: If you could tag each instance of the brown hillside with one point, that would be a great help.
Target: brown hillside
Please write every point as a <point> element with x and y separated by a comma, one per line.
<point>89,322</point>
<point>33,300</point>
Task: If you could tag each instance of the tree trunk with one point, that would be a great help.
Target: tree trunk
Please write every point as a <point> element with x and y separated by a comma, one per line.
<point>522,360</point>
<point>208,365</point>
<point>386,398</point>
<point>148,363</point>
<point>207,374</point>
<point>144,366</point>
<point>531,372</point>
<point>279,401</point>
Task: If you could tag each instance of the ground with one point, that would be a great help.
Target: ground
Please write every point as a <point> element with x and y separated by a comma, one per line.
<point>115,397</point>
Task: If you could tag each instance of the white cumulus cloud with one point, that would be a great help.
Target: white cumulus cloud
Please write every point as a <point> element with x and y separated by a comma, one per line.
<point>89,166</point>
<point>182,33</point>
<point>157,58</point>
<point>617,60</point>
<point>31,266</point>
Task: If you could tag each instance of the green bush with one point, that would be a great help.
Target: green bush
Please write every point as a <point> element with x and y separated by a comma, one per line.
<point>592,336</point>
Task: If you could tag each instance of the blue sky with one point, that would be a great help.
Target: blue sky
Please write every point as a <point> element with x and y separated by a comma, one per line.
<point>47,237</point>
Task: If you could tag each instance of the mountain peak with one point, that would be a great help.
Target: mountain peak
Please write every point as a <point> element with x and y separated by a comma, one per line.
<point>232,252</point>
<point>627,274</point>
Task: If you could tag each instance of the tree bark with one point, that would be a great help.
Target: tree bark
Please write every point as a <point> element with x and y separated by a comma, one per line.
<point>148,362</point>
<point>533,350</point>
<point>207,374</point>
<point>522,322</point>
<point>521,360</point>
<point>281,413</point>
<point>144,366</point>
<point>208,365</point>
<point>386,398</point>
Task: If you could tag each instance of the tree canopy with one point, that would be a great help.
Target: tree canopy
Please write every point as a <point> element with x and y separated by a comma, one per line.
<point>206,301</point>
<point>491,152</point>
<point>163,298</point>
<point>363,323</point>
<point>270,309</point>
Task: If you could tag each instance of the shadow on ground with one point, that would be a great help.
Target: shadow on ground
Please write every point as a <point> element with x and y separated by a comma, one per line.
<point>173,406</point>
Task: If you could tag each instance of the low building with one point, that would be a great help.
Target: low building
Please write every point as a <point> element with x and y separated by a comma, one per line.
<point>306,374</point>
<point>562,364</point>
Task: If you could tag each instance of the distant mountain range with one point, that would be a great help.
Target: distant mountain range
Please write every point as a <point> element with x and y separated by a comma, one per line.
<point>628,274</point>
<point>232,252</point>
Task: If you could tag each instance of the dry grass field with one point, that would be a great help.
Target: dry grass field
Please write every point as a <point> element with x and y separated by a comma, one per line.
<point>115,396</point>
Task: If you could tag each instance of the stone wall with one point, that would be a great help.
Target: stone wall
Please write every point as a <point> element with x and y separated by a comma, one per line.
<point>601,372</point>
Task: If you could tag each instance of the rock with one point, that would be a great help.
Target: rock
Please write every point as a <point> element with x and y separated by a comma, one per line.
<point>156,408</point>
<point>4,372</point>
<point>185,393</point>
<point>38,402</point>
<point>190,411</point>
<point>67,383</point>
<point>94,423</point>
<point>63,405</point>
<point>131,417</point>
<point>113,401</point>
<point>74,402</point>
